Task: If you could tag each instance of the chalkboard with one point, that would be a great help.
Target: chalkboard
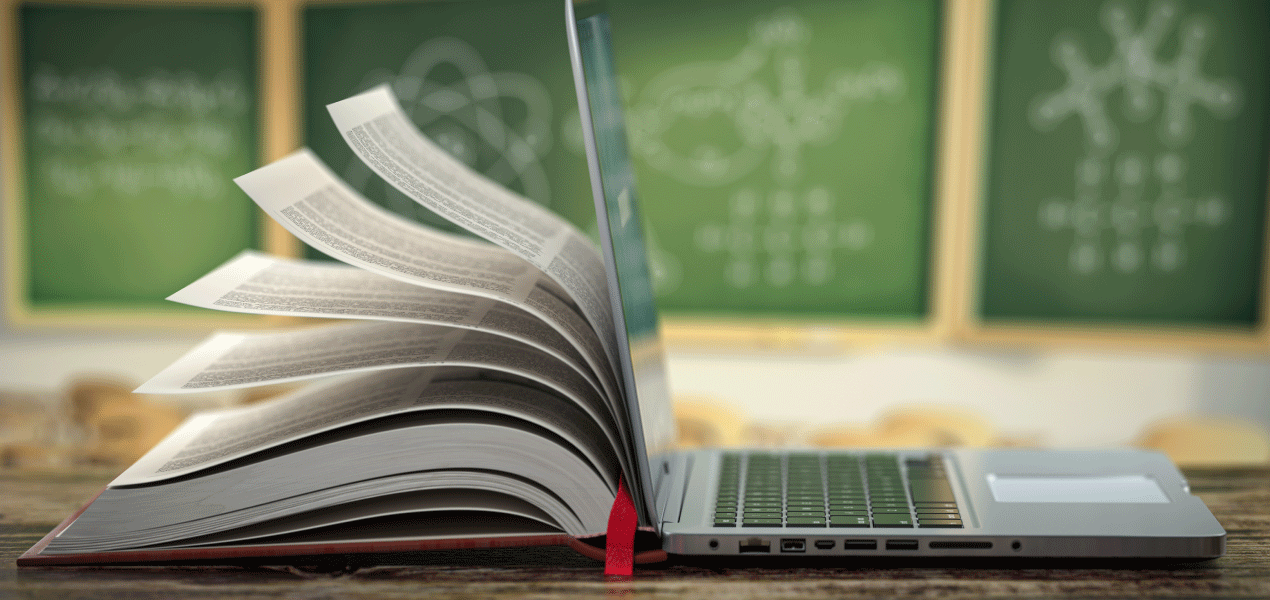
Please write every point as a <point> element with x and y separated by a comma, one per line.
<point>1126,176</point>
<point>785,153</point>
<point>489,80</point>
<point>133,123</point>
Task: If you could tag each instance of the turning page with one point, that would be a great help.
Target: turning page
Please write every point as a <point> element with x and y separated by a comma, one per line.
<point>381,134</point>
<point>260,284</point>
<point>310,201</point>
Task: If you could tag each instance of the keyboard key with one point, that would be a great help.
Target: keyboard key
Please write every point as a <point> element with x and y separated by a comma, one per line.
<point>880,504</point>
<point>936,511</point>
<point>848,521</point>
<point>932,490</point>
<point>791,514</point>
<point>950,523</point>
<point>890,510</point>
<point>805,522</point>
<point>761,523</point>
<point>892,521</point>
<point>936,504</point>
<point>725,522</point>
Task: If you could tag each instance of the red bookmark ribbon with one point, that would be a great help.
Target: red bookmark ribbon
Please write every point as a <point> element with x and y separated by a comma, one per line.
<point>619,542</point>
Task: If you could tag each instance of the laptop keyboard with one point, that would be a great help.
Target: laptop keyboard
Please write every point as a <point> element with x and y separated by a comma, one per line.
<point>805,489</point>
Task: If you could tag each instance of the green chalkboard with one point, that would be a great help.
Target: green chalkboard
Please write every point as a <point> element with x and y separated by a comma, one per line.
<point>488,80</point>
<point>1128,144</point>
<point>134,123</point>
<point>784,152</point>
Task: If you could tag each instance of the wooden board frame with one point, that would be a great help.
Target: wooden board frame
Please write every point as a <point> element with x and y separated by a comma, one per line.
<point>837,334</point>
<point>276,95</point>
<point>969,327</point>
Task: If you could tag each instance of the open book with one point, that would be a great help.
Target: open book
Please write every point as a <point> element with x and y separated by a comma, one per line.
<point>473,395</point>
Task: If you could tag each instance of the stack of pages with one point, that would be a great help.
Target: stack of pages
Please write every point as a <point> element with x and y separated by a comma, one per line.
<point>480,403</point>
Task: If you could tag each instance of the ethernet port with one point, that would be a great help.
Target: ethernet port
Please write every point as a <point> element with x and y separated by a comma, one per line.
<point>755,546</point>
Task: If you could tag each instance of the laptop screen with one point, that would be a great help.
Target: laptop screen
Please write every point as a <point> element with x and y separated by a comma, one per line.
<point>622,240</point>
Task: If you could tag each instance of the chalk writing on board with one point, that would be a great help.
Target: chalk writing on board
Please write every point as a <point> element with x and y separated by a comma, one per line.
<point>782,121</point>
<point>115,136</point>
<point>776,236</point>
<point>770,244</point>
<point>465,116</point>
<point>1111,187</point>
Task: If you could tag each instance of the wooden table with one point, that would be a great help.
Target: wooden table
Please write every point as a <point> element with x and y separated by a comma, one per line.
<point>31,504</point>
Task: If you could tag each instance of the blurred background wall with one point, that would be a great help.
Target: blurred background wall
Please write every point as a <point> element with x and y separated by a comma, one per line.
<point>1051,217</point>
<point>1063,398</point>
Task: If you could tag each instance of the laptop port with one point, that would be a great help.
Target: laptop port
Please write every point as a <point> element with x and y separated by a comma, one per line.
<point>824,544</point>
<point>793,545</point>
<point>901,544</point>
<point>859,544</point>
<point>755,546</point>
<point>961,545</point>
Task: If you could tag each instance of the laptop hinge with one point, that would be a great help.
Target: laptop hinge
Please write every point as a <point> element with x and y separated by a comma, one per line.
<point>675,471</point>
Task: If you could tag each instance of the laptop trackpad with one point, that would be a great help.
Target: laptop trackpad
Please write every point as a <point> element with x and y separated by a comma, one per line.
<point>1117,489</point>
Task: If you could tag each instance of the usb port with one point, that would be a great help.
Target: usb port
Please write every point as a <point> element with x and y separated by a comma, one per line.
<point>755,546</point>
<point>859,544</point>
<point>824,544</point>
<point>793,545</point>
<point>901,544</point>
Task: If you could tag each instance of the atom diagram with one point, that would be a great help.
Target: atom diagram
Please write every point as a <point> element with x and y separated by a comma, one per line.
<point>465,116</point>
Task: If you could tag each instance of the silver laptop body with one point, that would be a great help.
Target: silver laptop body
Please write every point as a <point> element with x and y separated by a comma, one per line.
<point>1075,504</point>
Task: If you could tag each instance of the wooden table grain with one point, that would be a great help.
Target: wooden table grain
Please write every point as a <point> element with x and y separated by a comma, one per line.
<point>33,503</point>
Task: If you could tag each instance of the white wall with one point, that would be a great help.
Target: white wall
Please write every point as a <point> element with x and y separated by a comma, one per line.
<point>1066,398</point>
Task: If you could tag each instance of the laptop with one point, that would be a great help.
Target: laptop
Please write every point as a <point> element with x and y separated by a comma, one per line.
<point>817,504</point>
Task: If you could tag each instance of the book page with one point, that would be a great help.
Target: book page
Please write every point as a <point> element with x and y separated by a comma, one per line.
<point>483,451</point>
<point>383,136</point>
<point>430,514</point>
<point>219,437</point>
<point>260,284</point>
<point>310,201</point>
<point>231,360</point>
